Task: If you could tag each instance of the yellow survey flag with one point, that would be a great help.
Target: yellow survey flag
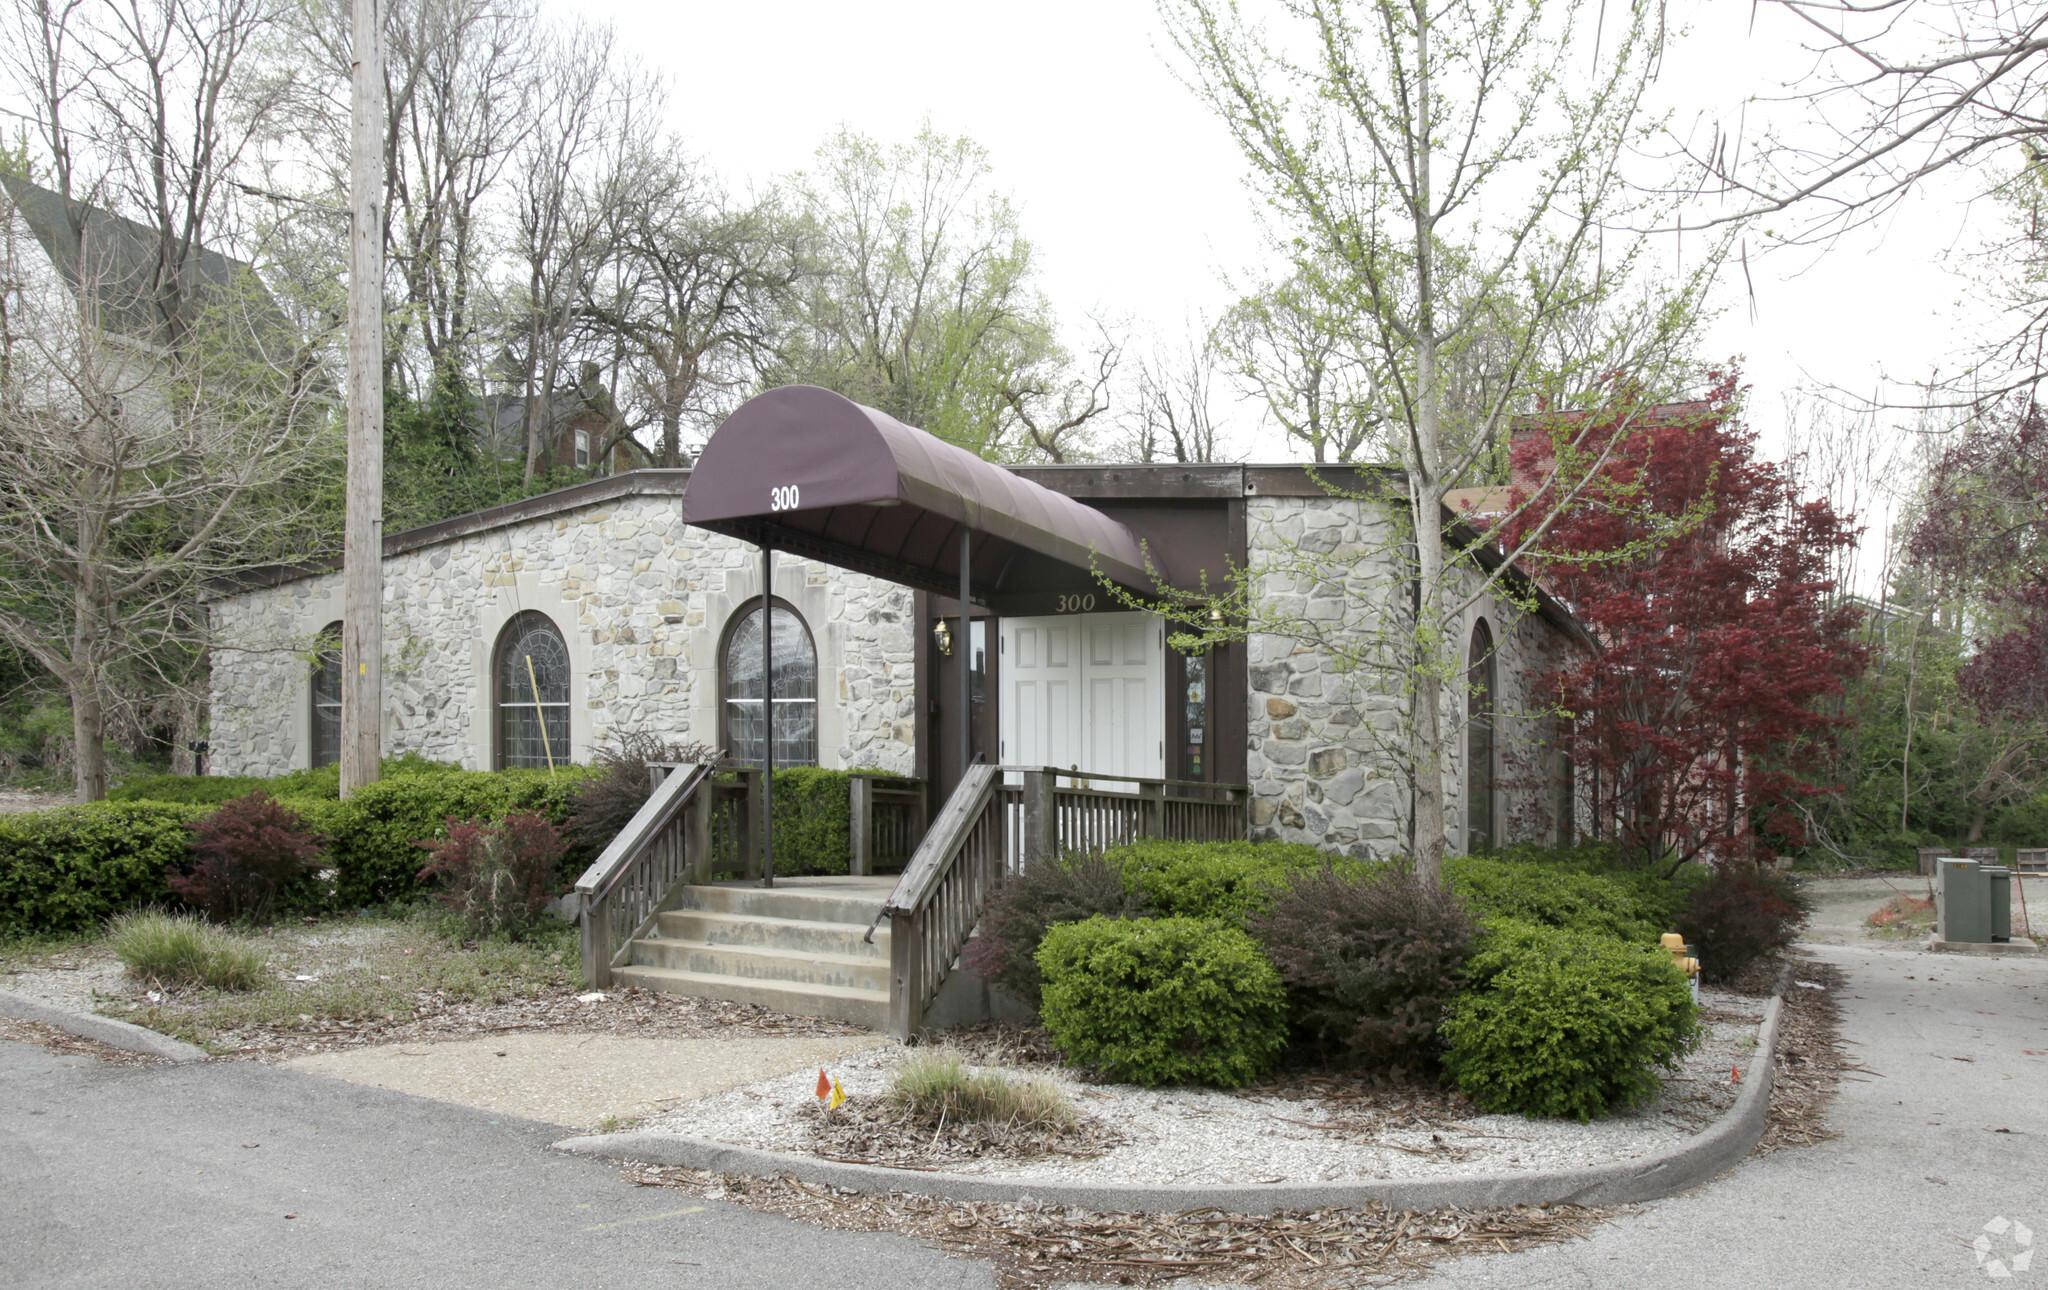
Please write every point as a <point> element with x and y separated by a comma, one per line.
<point>838,1095</point>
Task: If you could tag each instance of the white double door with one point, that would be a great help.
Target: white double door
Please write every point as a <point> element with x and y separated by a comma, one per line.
<point>1086,692</point>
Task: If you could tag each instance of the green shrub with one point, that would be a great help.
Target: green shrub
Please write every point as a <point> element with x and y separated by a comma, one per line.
<point>194,790</point>
<point>1739,915</point>
<point>935,1086</point>
<point>181,950</point>
<point>1163,1001</point>
<point>1370,957</point>
<point>1014,921</point>
<point>813,820</point>
<point>1557,896</point>
<point>1565,1024</point>
<point>1227,880</point>
<point>374,830</point>
<point>71,868</point>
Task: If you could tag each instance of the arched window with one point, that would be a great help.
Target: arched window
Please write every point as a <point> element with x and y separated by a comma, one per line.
<point>326,749</point>
<point>532,692</point>
<point>1481,688</point>
<point>796,689</point>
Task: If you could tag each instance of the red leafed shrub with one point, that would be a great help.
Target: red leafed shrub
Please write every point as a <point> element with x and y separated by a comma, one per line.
<point>498,874</point>
<point>251,857</point>
<point>1370,959</point>
<point>1738,916</point>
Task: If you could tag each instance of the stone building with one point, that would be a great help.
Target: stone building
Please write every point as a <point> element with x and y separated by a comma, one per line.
<point>550,627</point>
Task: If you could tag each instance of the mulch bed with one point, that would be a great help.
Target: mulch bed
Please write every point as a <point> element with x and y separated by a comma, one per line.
<point>1042,1245</point>
<point>1810,1060</point>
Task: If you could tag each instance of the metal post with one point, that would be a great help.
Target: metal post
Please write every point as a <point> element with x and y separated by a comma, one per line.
<point>767,716</point>
<point>362,565</point>
<point>966,653</point>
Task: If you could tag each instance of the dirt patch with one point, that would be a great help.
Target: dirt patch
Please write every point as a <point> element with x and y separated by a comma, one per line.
<point>1034,1245</point>
<point>579,1080</point>
<point>21,799</point>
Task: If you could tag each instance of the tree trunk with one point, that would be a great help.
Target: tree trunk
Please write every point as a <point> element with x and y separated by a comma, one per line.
<point>89,742</point>
<point>184,759</point>
<point>1976,825</point>
<point>671,437</point>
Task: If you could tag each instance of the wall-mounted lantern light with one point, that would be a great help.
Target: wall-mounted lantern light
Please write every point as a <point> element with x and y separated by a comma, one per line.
<point>944,636</point>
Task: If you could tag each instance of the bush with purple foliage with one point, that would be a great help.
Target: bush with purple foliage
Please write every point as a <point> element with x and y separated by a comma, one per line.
<point>252,857</point>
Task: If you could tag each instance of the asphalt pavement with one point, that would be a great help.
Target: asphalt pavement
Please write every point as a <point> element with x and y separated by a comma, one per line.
<point>1944,1133</point>
<point>238,1174</point>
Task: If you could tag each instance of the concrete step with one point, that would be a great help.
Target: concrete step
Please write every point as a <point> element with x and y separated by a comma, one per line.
<point>855,1007</point>
<point>853,901</point>
<point>788,935</point>
<point>796,969</point>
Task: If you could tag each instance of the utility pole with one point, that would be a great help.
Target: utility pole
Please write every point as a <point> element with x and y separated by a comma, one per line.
<point>362,566</point>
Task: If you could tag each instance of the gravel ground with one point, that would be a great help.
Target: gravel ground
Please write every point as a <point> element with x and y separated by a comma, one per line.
<point>21,799</point>
<point>1268,1135</point>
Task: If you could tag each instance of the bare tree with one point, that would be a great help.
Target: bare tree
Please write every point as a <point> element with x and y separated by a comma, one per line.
<point>699,287</point>
<point>132,472</point>
<point>1288,349</point>
<point>1170,415</point>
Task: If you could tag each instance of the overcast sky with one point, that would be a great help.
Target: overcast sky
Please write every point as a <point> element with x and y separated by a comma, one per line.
<point>1133,192</point>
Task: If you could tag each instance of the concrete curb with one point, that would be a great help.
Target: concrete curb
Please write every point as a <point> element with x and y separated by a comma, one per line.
<point>106,1030</point>
<point>1695,1161</point>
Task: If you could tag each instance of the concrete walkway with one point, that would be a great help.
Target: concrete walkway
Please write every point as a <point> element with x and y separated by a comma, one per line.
<point>1948,1131</point>
<point>235,1173</point>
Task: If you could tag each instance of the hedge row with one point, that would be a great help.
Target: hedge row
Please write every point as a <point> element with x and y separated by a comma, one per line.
<point>67,870</point>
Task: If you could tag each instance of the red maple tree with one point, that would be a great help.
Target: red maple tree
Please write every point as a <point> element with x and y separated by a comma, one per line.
<point>1697,723</point>
<point>1983,531</point>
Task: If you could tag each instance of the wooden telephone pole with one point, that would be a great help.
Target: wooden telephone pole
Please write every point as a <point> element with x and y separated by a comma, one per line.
<point>362,571</point>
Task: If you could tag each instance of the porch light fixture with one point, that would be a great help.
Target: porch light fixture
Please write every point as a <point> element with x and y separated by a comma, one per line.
<point>944,636</point>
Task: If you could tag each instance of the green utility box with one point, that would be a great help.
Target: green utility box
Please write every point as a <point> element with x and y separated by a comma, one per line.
<point>1972,901</point>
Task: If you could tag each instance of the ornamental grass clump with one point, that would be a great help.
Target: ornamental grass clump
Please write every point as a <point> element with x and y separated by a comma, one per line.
<point>499,875</point>
<point>1163,1001</point>
<point>1565,1024</point>
<point>176,950</point>
<point>936,1087</point>
<point>1370,957</point>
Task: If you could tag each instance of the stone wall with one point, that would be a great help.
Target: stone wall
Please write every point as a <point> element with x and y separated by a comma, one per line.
<point>1320,763</point>
<point>642,602</point>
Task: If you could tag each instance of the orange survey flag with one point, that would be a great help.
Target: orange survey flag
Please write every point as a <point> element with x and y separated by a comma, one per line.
<point>824,1085</point>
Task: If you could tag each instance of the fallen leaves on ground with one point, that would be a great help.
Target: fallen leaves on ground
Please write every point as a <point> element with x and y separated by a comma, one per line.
<point>1034,1245</point>
<point>1810,1060</point>
<point>869,1131</point>
<point>66,1044</point>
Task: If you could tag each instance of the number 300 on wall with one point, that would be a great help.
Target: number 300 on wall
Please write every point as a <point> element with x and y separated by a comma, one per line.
<point>1075,604</point>
<point>782,499</point>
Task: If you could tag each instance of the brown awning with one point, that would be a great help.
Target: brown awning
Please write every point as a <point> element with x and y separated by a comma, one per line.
<point>805,470</point>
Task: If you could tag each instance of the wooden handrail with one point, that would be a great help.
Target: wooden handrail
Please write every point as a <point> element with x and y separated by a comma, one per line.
<point>989,827</point>
<point>664,846</point>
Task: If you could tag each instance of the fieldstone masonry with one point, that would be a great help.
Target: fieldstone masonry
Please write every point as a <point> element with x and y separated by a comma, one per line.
<point>642,602</point>
<point>1318,762</point>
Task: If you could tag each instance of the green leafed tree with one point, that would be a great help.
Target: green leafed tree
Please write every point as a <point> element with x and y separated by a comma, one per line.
<point>922,301</point>
<point>1448,178</point>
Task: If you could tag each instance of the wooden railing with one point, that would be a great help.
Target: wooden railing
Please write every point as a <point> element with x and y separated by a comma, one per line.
<point>1002,818</point>
<point>703,821</point>
<point>664,847</point>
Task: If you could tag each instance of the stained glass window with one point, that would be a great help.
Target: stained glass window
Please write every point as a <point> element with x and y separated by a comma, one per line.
<point>796,690</point>
<point>532,693</point>
<point>326,740</point>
